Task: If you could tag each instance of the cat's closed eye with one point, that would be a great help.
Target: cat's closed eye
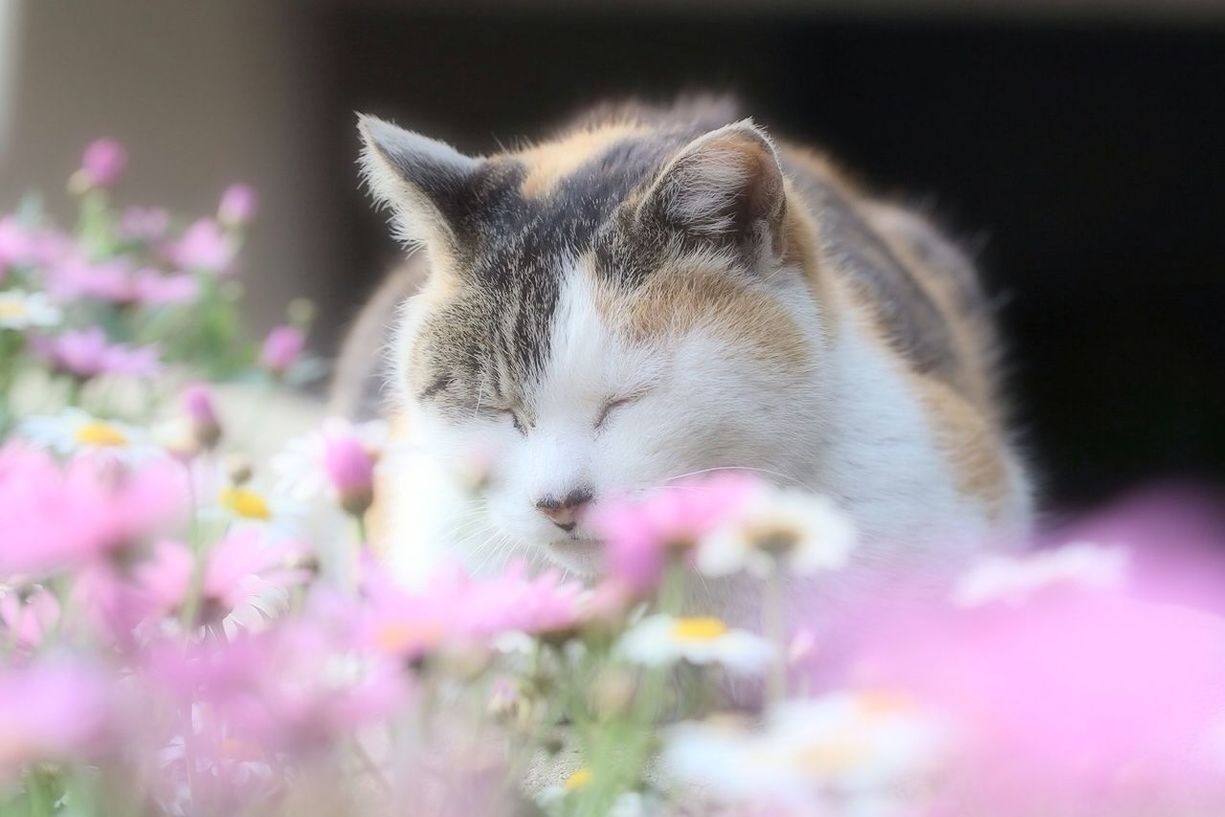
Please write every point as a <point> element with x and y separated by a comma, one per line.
<point>612,404</point>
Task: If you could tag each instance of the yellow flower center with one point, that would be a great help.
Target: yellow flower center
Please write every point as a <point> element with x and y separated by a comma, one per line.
<point>397,636</point>
<point>11,310</point>
<point>581,779</point>
<point>245,503</point>
<point>698,628</point>
<point>99,433</point>
<point>832,757</point>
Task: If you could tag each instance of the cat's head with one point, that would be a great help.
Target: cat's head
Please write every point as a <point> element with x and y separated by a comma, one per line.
<point>604,313</point>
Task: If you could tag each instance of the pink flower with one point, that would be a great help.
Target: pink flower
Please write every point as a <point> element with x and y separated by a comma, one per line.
<point>144,224</point>
<point>53,517</point>
<point>198,404</point>
<point>105,281</point>
<point>457,608</point>
<point>240,570</point>
<point>103,163</point>
<point>238,205</point>
<point>153,288</point>
<point>86,353</point>
<point>27,614</point>
<point>640,532</point>
<point>50,712</point>
<point>22,246</point>
<point>204,247</point>
<point>350,467</point>
<point>282,348</point>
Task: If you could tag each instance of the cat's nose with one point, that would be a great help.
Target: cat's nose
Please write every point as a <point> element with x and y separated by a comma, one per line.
<point>565,512</point>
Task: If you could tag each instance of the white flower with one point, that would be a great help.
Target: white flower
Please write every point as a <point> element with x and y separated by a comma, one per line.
<point>849,752</point>
<point>74,431</point>
<point>661,640</point>
<point>298,470</point>
<point>1012,578</point>
<point>23,310</point>
<point>803,531</point>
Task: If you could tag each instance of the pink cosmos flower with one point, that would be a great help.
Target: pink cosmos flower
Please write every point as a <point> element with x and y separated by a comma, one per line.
<point>115,282</point>
<point>350,467</point>
<point>203,246</point>
<point>105,281</point>
<point>53,517</point>
<point>86,353</point>
<point>144,224</point>
<point>640,532</point>
<point>153,288</point>
<point>22,246</point>
<point>270,692</point>
<point>240,570</point>
<point>282,348</point>
<point>456,607</point>
<point>51,711</point>
<point>238,205</point>
<point>103,163</point>
<point>27,614</point>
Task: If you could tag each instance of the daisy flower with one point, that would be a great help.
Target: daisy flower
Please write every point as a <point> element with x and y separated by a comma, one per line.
<point>1012,579</point>
<point>865,751</point>
<point>74,431</point>
<point>662,640</point>
<point>23,310</point>
<point>778,527</point>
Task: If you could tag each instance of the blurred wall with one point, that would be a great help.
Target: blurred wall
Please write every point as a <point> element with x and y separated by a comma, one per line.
<point>201,93</point>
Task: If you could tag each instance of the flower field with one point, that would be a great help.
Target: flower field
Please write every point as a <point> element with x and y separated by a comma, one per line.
<point>188,627</point>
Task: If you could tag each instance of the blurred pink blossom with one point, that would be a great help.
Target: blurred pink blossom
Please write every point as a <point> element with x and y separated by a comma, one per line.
<point>86,353</point>
<point>115,282</point>
<point>455,607</point>
<point>639,532</point>
<point>144,224</point>
<point>239,204</point>
<point>27,614</point>
<point>56,710</point>
<point>350,467</point>
<point>204,246</point>
<point>103,163</point>
<point>23,246</point>
<point>237,571</point>
<point>282,348</point>
<point>198,404</point>
<point>54,517</point>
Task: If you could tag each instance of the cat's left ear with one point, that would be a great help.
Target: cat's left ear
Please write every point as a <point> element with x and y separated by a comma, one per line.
<point>726,187</point>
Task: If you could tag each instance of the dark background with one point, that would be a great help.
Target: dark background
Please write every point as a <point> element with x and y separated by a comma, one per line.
<point>1084,162</point>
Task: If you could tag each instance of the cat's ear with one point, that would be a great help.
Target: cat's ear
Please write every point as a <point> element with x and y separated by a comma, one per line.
<point>426,183</point>
<point>725,186</point>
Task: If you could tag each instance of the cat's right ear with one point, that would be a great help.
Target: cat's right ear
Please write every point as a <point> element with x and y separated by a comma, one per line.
<point>426,183</point>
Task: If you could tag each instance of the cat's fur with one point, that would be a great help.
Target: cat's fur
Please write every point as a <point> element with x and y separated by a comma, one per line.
<point>657,292</point>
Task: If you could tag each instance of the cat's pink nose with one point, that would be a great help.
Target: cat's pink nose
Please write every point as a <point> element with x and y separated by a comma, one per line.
<point>565,512</point>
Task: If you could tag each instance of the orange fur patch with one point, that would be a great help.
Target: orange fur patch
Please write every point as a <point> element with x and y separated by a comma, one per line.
<point>550,162</point>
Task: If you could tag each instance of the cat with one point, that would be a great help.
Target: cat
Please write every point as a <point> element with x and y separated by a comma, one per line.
<point>657,292</point>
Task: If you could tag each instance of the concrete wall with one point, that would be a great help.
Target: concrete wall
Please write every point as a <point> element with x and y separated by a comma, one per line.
<point>201,93</point>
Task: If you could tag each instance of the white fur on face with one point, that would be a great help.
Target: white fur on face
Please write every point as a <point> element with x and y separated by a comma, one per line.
<point>698,401</point>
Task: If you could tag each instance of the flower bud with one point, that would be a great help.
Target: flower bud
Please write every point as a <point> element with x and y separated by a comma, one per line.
<point>281,349</point>
<point>350,467</point>
<point>238,205</point>
<point>198,404</point>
